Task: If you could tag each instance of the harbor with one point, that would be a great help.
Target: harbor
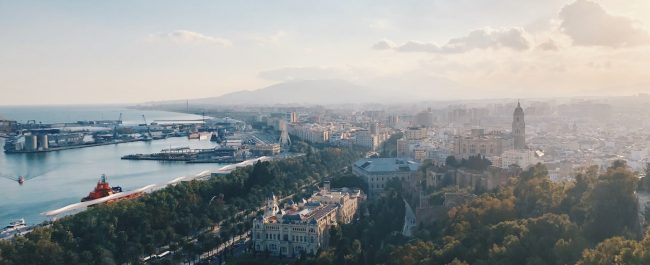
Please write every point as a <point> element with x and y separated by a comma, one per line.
<point>58,178</point>
<point>51,165</point>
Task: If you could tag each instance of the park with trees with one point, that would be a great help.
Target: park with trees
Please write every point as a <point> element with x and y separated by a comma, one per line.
<point>188,219</point>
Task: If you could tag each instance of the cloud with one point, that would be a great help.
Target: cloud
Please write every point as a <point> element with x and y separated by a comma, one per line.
<point>384,45</point>
<point>272,39</point>
<point>549,45</point>
<point>189,37</point>
<point>487,38</point>
<point>589,24</point>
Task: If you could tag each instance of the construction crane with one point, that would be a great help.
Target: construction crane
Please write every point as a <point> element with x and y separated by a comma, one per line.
<point>147,125</point>
<point>117,123</point>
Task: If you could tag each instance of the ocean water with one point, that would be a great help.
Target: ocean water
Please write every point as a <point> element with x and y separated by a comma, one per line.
<point>59,114</point>
<point>56,179</point>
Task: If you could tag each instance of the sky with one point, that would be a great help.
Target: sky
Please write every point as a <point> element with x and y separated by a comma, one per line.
<point>73,52</point>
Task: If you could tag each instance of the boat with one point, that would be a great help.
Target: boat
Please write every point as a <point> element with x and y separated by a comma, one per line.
<point>103,189</point>
<point>21,180</point>
<point>13,227</point>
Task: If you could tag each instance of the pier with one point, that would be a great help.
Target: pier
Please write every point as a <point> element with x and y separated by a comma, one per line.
<point>188,155</point>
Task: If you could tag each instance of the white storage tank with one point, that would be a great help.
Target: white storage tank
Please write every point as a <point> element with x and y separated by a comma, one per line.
<point>31,142</point>
<point>43,143</point>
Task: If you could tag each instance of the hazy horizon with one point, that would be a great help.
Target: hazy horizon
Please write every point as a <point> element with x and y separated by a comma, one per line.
<point>120,52</point>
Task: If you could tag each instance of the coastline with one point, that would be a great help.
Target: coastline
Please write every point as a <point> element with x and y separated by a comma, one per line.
<point>203,175</point>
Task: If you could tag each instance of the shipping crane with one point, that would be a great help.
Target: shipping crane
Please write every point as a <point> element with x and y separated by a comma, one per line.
<point>150,137</point>
<point>117,123</point>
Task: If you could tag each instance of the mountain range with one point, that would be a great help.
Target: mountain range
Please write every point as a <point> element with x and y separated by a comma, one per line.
<point>307,92</point>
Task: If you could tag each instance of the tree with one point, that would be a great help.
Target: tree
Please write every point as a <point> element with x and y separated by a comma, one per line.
<point>616,250</point>
<point>535,193</point>
<point>613,207</point>
<point>451,162</point>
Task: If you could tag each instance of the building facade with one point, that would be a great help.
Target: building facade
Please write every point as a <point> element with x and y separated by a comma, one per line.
<point>377,172</point>
<point>520,157</point>
<point>480,143</point>
<point>303,228</point>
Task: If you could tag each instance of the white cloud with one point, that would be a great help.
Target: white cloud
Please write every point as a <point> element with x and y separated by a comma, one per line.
<point>487,38</point>
<point>384,45</point>
<point>189,37</point>
<point>549,45</point>
<point>589,24</point>
<point>272,39</point>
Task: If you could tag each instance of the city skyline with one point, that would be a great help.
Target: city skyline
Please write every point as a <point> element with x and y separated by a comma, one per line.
<point>122,52</point>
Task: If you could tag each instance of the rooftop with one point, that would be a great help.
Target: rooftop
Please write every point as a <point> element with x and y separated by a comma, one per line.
<point>386,164</point>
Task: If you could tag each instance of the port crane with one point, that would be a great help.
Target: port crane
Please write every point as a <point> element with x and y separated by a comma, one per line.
<point>117,123</point>
<point>147,125</point>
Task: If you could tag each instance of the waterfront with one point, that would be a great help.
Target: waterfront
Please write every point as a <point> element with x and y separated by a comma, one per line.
<point>59,178</point>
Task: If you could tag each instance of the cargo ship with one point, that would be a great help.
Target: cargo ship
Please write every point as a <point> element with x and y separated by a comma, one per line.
<point>103,189</point>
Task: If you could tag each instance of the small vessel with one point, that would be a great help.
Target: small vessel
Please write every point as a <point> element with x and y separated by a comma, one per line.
<point>21,180</point>
<point>102,190</point>
<point>14,226</point>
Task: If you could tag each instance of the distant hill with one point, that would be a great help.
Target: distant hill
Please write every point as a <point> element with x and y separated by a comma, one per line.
<point>300,92</point>
<point>333,92</point>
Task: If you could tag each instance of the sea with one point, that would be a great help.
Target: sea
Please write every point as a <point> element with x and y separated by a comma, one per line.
<point>59,178</point>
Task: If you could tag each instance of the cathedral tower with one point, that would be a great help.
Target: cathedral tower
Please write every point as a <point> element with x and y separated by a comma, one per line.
<point>519,128</point>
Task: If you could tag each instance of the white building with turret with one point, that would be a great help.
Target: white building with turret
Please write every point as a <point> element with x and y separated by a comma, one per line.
<point>298,229</point>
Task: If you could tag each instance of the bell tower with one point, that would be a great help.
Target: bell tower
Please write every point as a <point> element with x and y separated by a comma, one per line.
<point>519,128</point>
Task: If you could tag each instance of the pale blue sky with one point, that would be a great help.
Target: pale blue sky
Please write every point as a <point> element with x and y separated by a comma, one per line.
<point>58,52</point>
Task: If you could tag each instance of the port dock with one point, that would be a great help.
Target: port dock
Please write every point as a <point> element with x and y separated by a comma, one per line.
<point>188,155</point>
